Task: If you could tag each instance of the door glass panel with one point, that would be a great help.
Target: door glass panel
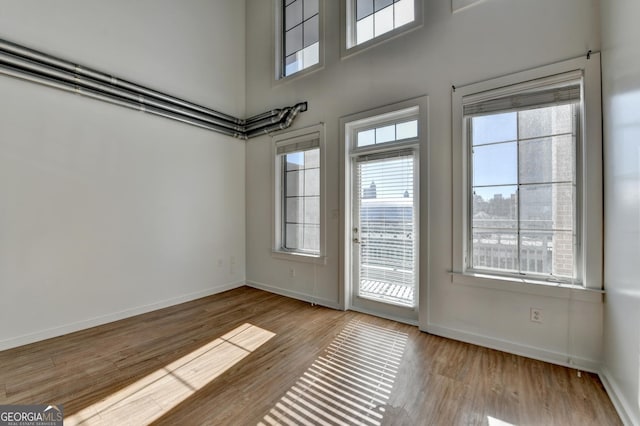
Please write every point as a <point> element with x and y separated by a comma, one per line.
<point>386,237</point>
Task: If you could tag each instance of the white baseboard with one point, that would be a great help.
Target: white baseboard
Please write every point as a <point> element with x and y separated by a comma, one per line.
<point>618,399</point>
<point>295,295</point>
<point>105,319</point>
<point>552,357</point>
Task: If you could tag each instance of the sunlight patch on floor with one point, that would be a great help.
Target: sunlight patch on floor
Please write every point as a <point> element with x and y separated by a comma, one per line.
<point>349,384</point>
<point>151,397</point>
<point>497,422</point>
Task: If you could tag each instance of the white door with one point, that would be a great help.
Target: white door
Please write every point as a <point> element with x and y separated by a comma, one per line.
<point>384,233</point>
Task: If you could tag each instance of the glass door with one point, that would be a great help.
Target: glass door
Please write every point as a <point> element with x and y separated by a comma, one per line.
<point>384,233</point>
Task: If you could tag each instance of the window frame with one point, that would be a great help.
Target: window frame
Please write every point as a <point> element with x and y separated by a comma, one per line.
<point>588,213</point>
<point>280,54</point>
<point>348,26</point>
<point>468,131</point>
<point>278,244</point>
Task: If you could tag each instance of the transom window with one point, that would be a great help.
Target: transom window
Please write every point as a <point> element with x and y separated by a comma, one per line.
<point>301,35</point>
<point>374,18</point>
<point>523,187</point>
<point>369,22</point>
<point>388,133</point>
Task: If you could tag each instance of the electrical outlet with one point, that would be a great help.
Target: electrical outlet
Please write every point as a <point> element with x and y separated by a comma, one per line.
<point>535,315</point>
<point>292,272</point>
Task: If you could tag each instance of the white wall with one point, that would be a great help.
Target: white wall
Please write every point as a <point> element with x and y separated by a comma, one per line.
<point>486,40</point>
<point>106,212</point>
<point>621,102</point>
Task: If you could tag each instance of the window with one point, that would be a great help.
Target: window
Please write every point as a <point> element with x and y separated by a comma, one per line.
<point>300,35</point>
<point>379,19</point>
<point>387,133</point>
<point>523,183</point>
<point>298,196</point>
<point>525,199</point>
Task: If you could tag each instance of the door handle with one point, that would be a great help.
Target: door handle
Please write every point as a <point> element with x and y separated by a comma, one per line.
<point>356,240</point>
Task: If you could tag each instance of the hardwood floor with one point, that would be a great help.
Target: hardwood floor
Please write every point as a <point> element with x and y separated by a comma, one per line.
<point>247,357</point>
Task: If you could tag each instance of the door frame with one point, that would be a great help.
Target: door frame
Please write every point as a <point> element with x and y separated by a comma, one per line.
<point>348,126</point>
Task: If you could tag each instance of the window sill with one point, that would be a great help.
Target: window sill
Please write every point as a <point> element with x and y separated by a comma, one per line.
<point>284,79</point>
<point>528,286</point>
<point>299,257</point>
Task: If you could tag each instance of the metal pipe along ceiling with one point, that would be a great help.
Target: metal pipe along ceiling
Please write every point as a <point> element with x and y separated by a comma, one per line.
<point>37,67</point>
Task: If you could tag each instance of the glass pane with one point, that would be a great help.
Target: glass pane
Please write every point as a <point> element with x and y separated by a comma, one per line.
<point>407,130</point>
<point>383,21</point>
<point>312,210</point>
<point>312,182</point>
<point>364,29</point>
<point>293,64</point>
<point>367,137</point>
<point>293,14</point>
<point>563,249</point>
<point>311,55</point>
<point>294,183</point>
<point>403,12</point>
<point>294,209</point>
<point>563,208</point>
<point>293,236</point>
<point>293,40</point>
<point>386,134</point>
<point>495,250</point>
<point>535,207</point>
<point>363,8</point>
<point>545,160</point>
<point>549,253</point>
<point>548,207</point>
<point>387,230</point>
<point>370,191</point>
<point>545,121</point>
<point>311,32</point>
<point>294,161</point>
<point>536,250</point>
<point>310,8</point>
<point>381,4</point>
<point>495,207</point>
<point>311,238</point>
<point>494,128</point>
<point>495,164</point>
<point>312,158</point>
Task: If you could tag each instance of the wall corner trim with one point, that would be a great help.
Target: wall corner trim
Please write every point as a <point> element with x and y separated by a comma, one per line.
<point>621,405</point>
